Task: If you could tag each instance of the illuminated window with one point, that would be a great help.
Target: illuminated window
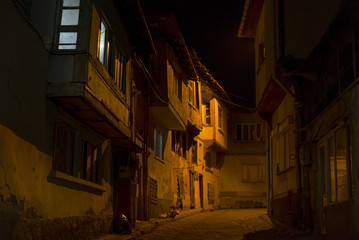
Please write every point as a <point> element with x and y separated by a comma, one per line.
<point>335,157</point>
<point>106,50</point>
<point>111,57</point>
<point>158,144</point>
<point>69,21</point>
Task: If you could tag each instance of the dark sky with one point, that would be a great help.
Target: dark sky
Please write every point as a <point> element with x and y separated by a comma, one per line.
<point>210,27</point>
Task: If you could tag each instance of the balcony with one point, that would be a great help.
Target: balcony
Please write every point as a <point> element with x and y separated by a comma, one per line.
<point>79,85</point>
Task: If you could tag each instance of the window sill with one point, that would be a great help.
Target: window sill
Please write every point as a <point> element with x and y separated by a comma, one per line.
<point>69,181</point>
<point>334,204</point>
<point>207,169</point>
<point>220,131</point>
<point>159,159</point>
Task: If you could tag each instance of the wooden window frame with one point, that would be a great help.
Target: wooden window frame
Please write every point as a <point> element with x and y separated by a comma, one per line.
<point>68,153</point>
<point>247,136</point>
<point>67,28</point>
<point>326,171</point>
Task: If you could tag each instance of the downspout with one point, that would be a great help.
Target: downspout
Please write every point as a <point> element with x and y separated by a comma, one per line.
<point>145,157</point>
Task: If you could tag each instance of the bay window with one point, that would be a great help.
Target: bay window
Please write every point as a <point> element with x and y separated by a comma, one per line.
<point>69,21</point>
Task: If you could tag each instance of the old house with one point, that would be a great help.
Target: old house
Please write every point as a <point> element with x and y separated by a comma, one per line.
<point>175,118</point>
<point>307,92</point>
<point>68,149</point>
<point>244,170</point>
<point>213,137</point>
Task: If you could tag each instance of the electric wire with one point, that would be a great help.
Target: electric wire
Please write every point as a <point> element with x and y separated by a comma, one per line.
<point>149,79</point>
<point>235,104</point>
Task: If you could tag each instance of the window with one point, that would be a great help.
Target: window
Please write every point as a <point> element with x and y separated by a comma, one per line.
<point>69,21</point>
<point>64,149</point>
<point>211,160</point>
<point>284,151</point>
<point>249,132</point>
<point>153,191</point>
<point>211,193</point>
<point>208,160</point>
<point>194,152</point>
<point>75,156</point>
<point>158,144</point>
<point>120,71</point>
<point>179,143</point>
<point>334,153</point>
<point>220,117</point>
<point>174,77</point>
<point>111,57</point>
<point>89,157</point>
<point>207,114</point>
<point>177,85</point>
<point>105,47</point>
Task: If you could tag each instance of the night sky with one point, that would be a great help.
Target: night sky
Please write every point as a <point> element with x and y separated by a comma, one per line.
<point>210,27</point>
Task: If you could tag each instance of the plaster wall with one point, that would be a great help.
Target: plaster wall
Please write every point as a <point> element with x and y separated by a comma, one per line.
<point>27,124</point>
<point>161,171</point>
<point>245,147</point>
<point>341,219</point>
<point>283,120</point>
<point>235,189</point>
<point>265,37</point>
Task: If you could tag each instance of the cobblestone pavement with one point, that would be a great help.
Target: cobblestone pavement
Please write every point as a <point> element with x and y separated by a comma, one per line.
<point>245,224</point>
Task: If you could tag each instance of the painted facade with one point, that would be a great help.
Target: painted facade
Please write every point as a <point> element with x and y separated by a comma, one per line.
<point>108,116</point>
<point>243,182</point>
<point>175,119</point>
<point>307,91</point>
<point>68,126</point>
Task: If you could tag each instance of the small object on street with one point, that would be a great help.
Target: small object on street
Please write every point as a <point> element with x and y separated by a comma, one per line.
<point>163,215</point>
<point>121,225</point>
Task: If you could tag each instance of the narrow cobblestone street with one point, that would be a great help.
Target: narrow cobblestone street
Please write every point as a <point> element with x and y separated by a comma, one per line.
<point>246,224</point>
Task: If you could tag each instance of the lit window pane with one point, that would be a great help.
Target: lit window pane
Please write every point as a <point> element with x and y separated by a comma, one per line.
<point>71,3</point>
<point>102,43</point>
<point>332,170</point>
<point>341,157</point>
<point>67,46</point>
<point>68,37</point>
<point>70,17</point>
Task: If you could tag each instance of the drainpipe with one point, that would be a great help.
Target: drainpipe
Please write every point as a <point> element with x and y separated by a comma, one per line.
<point>268,121</point>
